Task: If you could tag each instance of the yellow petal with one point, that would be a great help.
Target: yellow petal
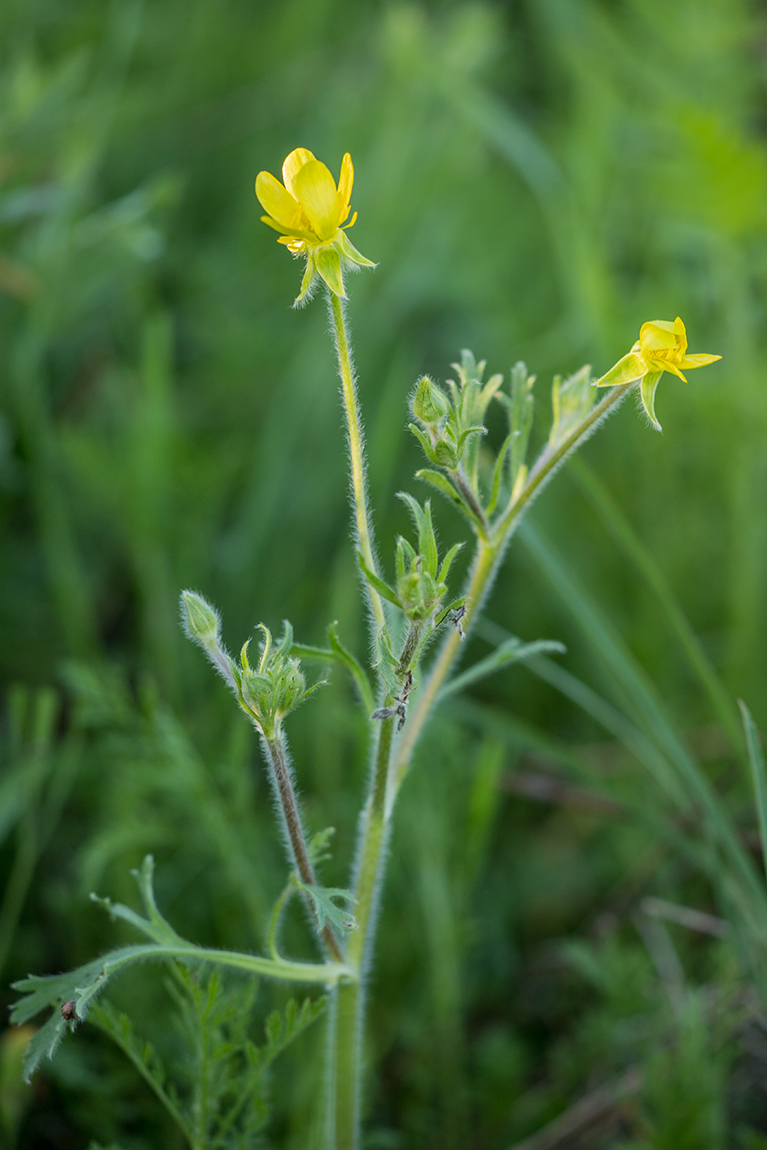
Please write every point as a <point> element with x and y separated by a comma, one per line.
<point>287,233</point>
<point>663,364</point>
<point>276,200</point>
<point>345,183</point>
<point>626,370</point>
<point>315,190</point>
<point>657,335</point>
<point>681,336</point>
<point>293,164</point>
<point>699,360</point>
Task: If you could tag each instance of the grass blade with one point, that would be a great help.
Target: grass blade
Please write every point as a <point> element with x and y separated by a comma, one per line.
<point>759,776</point>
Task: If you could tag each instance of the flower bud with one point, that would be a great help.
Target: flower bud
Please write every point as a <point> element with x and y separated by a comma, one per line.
<point>418,593</point>
<point>430,404</point>
<point>277,687</point>
<point>289,688</point>
<point>201,621</point>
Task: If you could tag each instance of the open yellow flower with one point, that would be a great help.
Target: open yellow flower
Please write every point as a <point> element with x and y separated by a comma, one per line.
<point>662,346</point>
<point>309,210</point>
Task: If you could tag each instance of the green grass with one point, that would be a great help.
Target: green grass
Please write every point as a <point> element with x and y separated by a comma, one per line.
<point>535,180</point>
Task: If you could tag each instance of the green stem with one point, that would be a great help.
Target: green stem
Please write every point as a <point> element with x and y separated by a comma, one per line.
<point>482,568</point>
<point>487,556</point>
<point>287,797</point>
<point>350,996</point>
<point>550,459</point>
<point>356,451</point>
<point>388,773</point>
<point>459,479</point>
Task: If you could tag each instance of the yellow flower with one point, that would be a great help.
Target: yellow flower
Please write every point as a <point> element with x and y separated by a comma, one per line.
<point>662,346</point>
<point>308,209</point>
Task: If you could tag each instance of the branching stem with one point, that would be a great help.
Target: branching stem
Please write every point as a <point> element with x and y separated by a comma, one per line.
<point>390,770</point>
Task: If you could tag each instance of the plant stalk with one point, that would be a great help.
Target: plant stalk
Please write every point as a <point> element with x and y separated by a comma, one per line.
<point>389,773</point>
<point>275,748</point>
<point>350,996</point>
<point>356,452</point>
<point>486,558</point>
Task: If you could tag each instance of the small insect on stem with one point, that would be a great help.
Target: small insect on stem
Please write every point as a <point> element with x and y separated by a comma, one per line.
<point>401,704</point>
<point>69,1010</point>
<point>455,618</point>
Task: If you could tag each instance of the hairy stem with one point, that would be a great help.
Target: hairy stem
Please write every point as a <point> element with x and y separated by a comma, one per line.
<point>287,796</point>
<point>388,774</point>
<point>549,460</point>
<point>487,555</point>
<point>350,996</point>
<point>479,578</point>
<point>471,500</point>
<point>356,452</point>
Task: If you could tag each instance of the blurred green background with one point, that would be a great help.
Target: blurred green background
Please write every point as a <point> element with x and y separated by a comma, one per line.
<point>535,179</point>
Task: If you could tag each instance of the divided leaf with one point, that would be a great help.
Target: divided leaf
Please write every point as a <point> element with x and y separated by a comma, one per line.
<point>325,908</point>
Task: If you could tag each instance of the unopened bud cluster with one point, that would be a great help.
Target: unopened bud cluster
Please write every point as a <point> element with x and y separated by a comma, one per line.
<point>421,580</point>
<point>442,443</point>
<point>275,687</point>
<point>419,591</point>
<point>266,693</point>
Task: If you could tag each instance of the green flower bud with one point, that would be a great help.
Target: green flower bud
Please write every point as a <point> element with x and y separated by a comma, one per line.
<point>430,404</point>
<point>419,594</point>
<point>276,687</point>
<point>289,688</point>
<point>444,455</point>
<point>201,621</point>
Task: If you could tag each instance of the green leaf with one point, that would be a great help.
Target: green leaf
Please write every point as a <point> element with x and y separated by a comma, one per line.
<point>571,401</point>
<point>476,430</point>
<point>498,475</point>
<point>145,880</point>
<point>758,775</point>
<point>427,544</point>
<point>337,653</point>
<point>282,1028</point>
<point>383,589</point>
<point>447,562</point>
<point>520,415</point>
<point>424,441</point>
<point>454,606</point>
<point>144,1057</point>
<point>489,390</point>
<point>512,650</point>
<point>325,908</point>
<point>442,483</point>
<point>319,846</point>
<point>387,663</point>
<point>83,984</point>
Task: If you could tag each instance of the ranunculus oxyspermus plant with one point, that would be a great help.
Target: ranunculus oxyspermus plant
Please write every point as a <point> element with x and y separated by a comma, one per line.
<point>412,608</point>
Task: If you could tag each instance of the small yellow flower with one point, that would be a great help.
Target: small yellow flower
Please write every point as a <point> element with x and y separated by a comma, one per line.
<point>308,209</point>
<point>662,346</point>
